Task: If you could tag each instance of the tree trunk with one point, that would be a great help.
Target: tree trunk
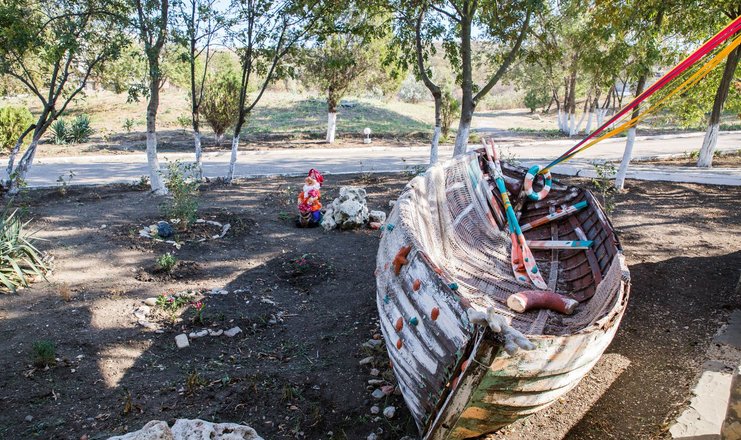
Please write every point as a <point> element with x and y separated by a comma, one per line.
<point>628,153</point>
<point>233,159</point>
<point>14,153</point>
<point>464,127</point>
<point>155,178</point>
<point>24,165</point>
<point>467,103</point>
<point>711,136</point>
<point>434,148</point>
<point>199,154</point>
<point>331,126</point>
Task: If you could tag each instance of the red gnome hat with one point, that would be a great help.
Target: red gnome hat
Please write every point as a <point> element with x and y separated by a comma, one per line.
<point>316,175</point>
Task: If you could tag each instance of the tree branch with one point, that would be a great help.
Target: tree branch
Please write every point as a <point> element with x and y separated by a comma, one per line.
<point>507,60</point>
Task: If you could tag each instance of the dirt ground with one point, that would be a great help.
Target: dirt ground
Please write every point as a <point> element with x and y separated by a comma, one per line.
<point>728,160</point>
<point>305,300</point>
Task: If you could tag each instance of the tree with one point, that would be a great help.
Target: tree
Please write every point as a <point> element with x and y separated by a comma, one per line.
<point>151,24</point>
<point>200,23</point>
<point>343,59</point>
<point>500,27</point>
<point>644,20</point>
<point>267,32</point>
<point>52,47</point>
<point>731,10</point>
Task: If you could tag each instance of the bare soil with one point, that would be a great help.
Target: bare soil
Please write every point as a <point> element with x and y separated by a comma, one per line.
<point>305,300</point>
<point>728,160</point>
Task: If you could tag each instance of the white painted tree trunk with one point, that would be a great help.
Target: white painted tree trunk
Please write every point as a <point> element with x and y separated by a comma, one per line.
<point>331,126</point>
<point>461,139</point>
<point>572,124</point>
<point>233,159</point>
<point>708,146</point>
<point>588,128</point>
<point>155,177</point>
<point>601,113</point>
<point>577,129</point>
<point>24,165</point>
<point>199,154</point>
<point>435,145</point>
<point>560,119</point>
<point>627,155</point>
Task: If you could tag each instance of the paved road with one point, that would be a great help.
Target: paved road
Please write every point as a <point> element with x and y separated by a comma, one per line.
<point>127,168</point>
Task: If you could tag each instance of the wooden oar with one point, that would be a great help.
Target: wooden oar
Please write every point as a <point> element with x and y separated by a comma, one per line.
<point>559,244</point>
<point>521,254</point>
<point>555,216</point>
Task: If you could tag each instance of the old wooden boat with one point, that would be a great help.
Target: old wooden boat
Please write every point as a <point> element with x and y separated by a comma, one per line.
<point>442,247</point>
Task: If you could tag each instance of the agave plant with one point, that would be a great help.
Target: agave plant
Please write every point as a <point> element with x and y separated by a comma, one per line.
<point>59,132</point>
<point>80,130</point>
<point>20,261</point>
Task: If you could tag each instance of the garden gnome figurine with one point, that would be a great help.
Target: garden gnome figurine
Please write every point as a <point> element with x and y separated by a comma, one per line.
<point>309,206</point>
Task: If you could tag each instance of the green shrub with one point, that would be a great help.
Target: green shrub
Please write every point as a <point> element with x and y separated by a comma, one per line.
<point>183,188</point>
<point>220,102</point>
<point>450,110</point>
<point>13,122</point>
<point>44,354</point>
<point>80,130</point>
<point>604,183</point>
<point>20,258</point>
<point>59,132</point>
<point>128,125</point>
<point>167,262</point>
<point>536,98</point>
<point>76,132</point>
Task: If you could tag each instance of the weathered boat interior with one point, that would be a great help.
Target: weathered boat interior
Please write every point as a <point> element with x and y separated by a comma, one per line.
<point>444,242</point>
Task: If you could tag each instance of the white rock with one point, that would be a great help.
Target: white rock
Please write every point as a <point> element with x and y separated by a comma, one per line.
<point>366,360</point>
<point>217,291</point>
<point>375,409</point>
<point>198,334</point>
<point>184,429</point>
<point>348,211</point>
<point>378,394</point>
<point>151,302</point>
<point>142,312</point>
<point>374,372</point>
<point>232,332</point>
<point>392,203</point>
<point>372,436</point>
<point>216,332</point>
<point>377,216</point>
<point>154,430</point>
<point>182,340</point>
<point>389,412</point>
<point>29,418</point>
<point>196,429</point>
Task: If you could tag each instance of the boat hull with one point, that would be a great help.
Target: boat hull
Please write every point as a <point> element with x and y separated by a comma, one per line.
<point>442,245</point>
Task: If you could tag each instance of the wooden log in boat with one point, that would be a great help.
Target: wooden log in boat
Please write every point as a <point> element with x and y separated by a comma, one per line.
<point>442,247</point>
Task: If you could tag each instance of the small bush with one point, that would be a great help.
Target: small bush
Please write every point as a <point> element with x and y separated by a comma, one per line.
<point>13,122</point>
<point>76,132</point>
<point>128,125</point>
<point>183,188</point>
<point>44,354</point>
<point>413,91</point>
<point>80,130</point>
<point>184,121</point>
<point>221,102</point>
<point>167,262</point>
<point>20,259</point>
<point>451,109</point>
<point>604,184</point>
<point>536,98</point>
<point>59,132</point>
